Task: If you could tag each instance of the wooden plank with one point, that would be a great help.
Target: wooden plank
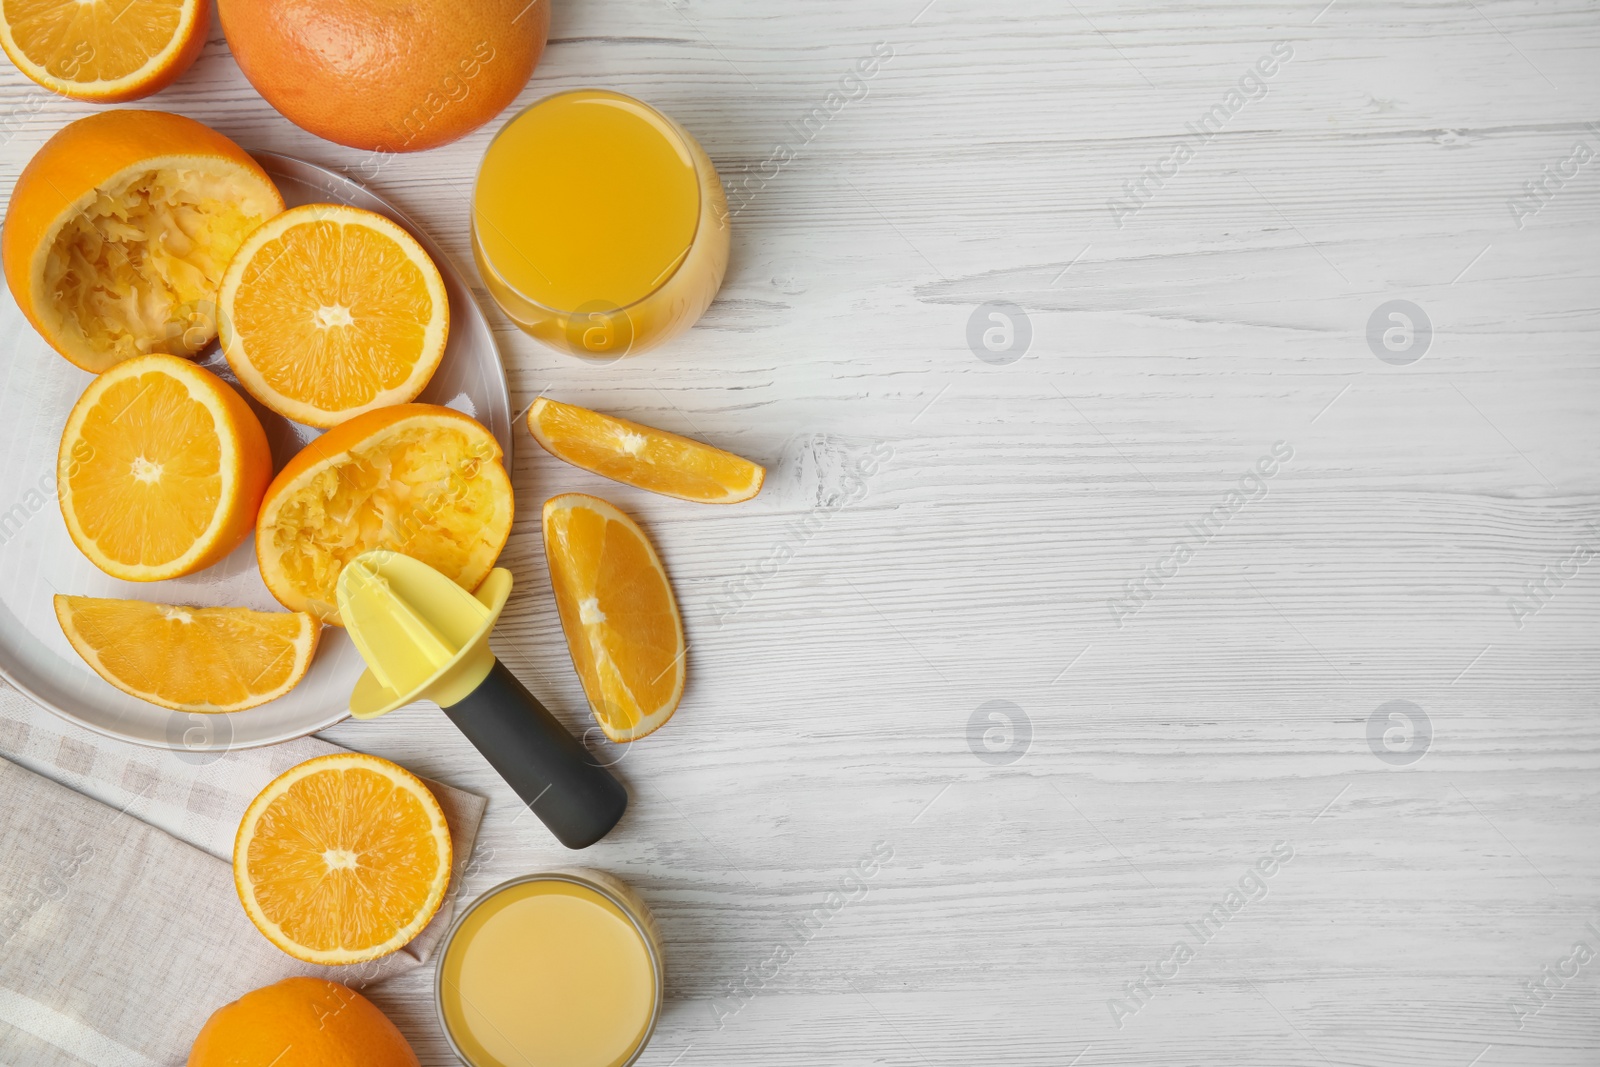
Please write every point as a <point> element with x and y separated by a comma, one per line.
<point>831,698</point>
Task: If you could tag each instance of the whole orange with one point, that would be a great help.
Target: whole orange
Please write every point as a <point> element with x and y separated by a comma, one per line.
<point>387,75</point>
<point>301,1022</point>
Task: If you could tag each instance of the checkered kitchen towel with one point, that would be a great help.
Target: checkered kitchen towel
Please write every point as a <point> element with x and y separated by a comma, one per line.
<point>120,930</point>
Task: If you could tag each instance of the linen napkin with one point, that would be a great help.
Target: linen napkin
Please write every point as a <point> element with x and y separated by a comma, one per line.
<point>120,928</point>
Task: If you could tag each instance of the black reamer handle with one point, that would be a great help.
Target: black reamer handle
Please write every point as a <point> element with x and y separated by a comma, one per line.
<point>551,770</point>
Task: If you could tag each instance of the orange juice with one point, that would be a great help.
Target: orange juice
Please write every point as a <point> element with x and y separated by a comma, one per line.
<point>558,970</point>
<point>598,224</point>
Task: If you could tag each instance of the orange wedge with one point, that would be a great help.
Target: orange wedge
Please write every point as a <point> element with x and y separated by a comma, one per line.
<point>329,311</point>
<point>190,659</point>
<point>418,479</point>
<point>641,456</point>
<point>618,613</point>
<point>104,52</point>
<point>161,469</point>
<point>342,858</point>
<point>119,230</point>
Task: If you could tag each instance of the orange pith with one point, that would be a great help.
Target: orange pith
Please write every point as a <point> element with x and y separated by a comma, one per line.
<point>415,478</point>
<point>190,659</point>
<point>330,311</point>
<point>119,230</point>
<point>618,614</point>
<point>103,52</point>
<point>642,456</point>
<point>342,858</point>
<point>161,469</point>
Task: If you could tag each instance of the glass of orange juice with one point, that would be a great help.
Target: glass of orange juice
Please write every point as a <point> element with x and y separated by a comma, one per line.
<point>599,225</point>
<point>560,969</point>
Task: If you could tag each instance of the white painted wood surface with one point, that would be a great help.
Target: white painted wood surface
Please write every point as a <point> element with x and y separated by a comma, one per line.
<point>830,712</point>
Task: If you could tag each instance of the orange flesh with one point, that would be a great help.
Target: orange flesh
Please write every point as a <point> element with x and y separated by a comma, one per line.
<point>199,659</point>
<point>431,492</point>
<point>333,314</point>
<point>343,860</point>
<point>137,270</point>
<point>89,42</point>
<point>641,456</point>
<point>619,617</point>
<point>147,480</point>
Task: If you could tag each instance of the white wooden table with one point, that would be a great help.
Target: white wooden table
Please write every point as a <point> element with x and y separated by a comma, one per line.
<point>948,526</point>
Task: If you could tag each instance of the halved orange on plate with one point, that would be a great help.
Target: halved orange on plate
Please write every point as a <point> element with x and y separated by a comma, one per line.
<point>120,228</point>
<point>328,311</point>
<point>161,468</point>
<point>642,456</point>
<point>190,659</point>
<point>342,858</point>
<point>100,50</point>
<point>618,614</point>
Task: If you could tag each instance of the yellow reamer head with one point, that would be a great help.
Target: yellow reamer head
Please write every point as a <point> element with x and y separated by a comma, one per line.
<point>422,635</point>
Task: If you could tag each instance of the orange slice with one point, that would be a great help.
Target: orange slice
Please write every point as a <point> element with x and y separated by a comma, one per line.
<point>161,468</point>
<point>190,659</point>
<point>104,51</point>
<point>329,311</point>
<point>418,479</point>
<point>618,613</point>
<point>119,230</point>
<point>641,456</point>
<point>342,858</point>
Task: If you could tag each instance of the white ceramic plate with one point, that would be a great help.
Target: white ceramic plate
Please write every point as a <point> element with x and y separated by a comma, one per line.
<point>38,559</point>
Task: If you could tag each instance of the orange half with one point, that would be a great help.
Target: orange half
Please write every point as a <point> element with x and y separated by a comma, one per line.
<point>161,469</point>
<point>342,858</point>
<point>104,51</point>
<point>119,230</point>
<point>417,479</point>
<point>330,311</point>
<point>642,456</point>
<point>618,614</point>
<point>190,659</point>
